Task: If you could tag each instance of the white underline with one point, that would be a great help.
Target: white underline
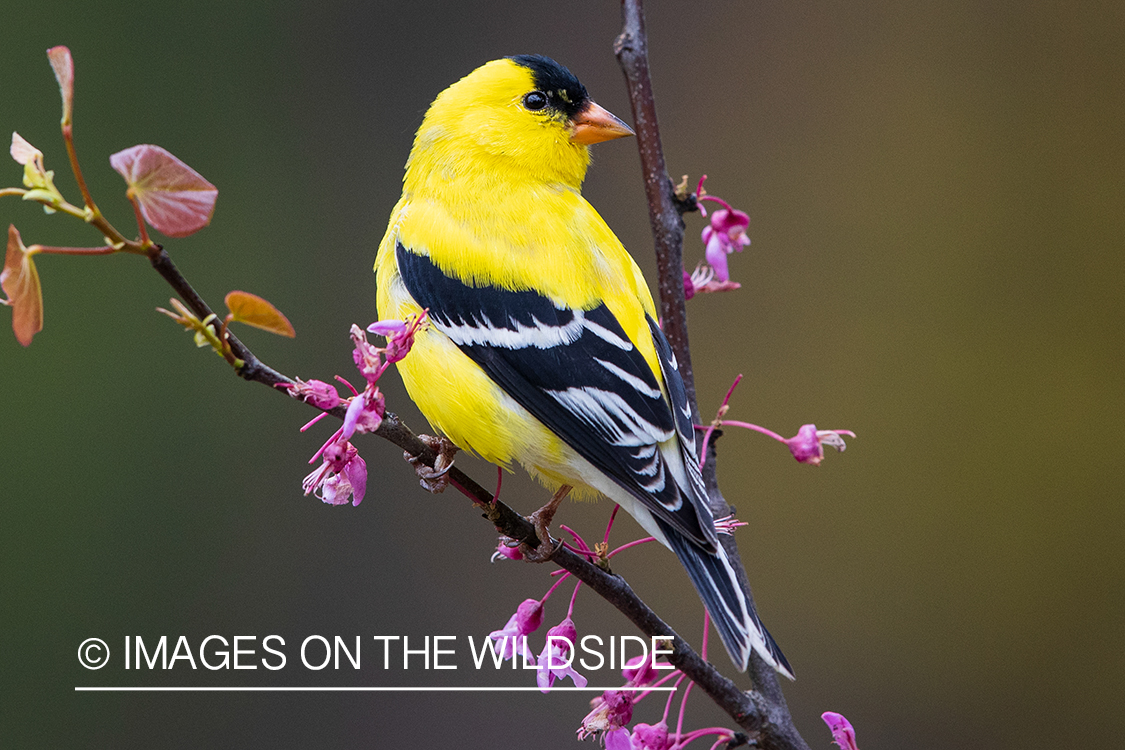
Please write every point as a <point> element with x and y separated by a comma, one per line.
<point>438,689</point>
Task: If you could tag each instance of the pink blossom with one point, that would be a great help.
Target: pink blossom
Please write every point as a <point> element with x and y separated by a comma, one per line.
<point>373,361</point>
<point>316,392</point>
<point>610,713</point>
<point>367,357</point>
<point>513,636</point>
<point>842,732</point>
<point>807,446</point>
<point>555,662</point>
<point>365,412</point>
<point>725,234</point>
<point>399,345</point>
<point>343,474</point>
<point>651,737</point>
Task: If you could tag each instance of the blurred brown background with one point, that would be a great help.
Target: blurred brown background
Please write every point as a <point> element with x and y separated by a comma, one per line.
<point>936,195</point>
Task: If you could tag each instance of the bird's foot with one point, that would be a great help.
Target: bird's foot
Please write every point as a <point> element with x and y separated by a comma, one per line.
<point>434,479</point>
<point>541,520</point>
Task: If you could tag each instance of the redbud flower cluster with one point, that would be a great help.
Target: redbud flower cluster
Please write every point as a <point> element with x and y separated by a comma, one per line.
<point>724,234</point>
<point>612,712</point>
<point>342,474</point>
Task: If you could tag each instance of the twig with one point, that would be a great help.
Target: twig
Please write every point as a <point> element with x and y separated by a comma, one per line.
<point>667,226</point>
<point>768,718</point>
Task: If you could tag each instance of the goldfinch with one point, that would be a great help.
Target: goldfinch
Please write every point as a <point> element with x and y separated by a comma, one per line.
<point>543,347</point>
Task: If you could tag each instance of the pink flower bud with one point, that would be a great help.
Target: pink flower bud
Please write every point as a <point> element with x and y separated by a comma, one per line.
<point>316,392</point>
<point>842,732</point>
<point>504,550</point>
<point>387,328</point>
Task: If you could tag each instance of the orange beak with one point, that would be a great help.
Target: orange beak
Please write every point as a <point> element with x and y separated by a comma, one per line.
<point>594,124</point>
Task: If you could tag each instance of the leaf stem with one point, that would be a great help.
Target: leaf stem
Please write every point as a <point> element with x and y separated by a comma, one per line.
<point>48,250</point>
<point>145,241</point>
<point>72,154</point>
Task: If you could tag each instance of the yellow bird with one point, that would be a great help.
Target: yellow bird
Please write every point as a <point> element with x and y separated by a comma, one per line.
<point>543,347</point>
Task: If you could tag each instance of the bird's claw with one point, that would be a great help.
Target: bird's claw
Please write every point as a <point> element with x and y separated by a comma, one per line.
<point>434,479</point>
<point>544,552</point>
<point>541,520</point>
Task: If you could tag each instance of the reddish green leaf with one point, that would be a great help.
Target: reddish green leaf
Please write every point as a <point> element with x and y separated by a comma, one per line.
<point>254,311</point>
<point>173,197</point>
<point>63,65</point>
<point>20,282</point>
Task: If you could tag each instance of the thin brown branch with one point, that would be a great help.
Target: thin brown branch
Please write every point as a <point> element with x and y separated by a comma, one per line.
<point>667,226</point>
<point>252,367</point>
<point>768,719</point>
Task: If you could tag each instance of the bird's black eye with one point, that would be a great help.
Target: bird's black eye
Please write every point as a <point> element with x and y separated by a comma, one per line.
<point>535,101</point>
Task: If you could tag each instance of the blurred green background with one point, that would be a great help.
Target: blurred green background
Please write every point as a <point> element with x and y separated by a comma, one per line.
<point>937,205</point>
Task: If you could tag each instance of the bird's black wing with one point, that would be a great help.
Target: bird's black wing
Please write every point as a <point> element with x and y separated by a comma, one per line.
<point>580,375</point>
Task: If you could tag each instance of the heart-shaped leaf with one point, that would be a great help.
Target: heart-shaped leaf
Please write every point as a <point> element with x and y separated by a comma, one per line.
<point>173,197</point>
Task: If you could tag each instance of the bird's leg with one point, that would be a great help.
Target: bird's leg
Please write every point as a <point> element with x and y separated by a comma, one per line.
<point>434,480</point>
<point>541,519</point>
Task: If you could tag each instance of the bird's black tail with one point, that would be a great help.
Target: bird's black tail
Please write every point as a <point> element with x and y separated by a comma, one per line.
<point>731,610</point>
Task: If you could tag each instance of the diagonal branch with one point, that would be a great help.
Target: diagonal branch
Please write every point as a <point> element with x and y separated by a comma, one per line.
<point>746,709</point>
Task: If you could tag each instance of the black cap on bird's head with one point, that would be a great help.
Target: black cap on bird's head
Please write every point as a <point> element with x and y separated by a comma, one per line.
<point>563,91</point>
<point>558,90</point>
